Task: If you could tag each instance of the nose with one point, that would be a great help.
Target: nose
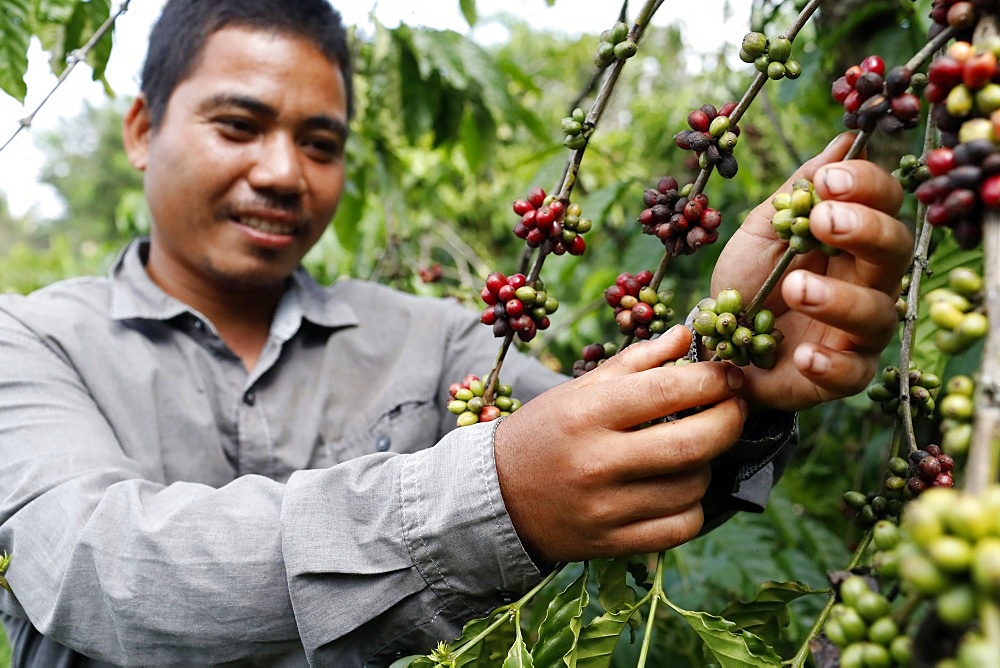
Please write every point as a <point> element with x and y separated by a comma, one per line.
<point>277,166</point>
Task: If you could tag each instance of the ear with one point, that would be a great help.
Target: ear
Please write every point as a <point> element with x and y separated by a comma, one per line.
<point>136,130</point>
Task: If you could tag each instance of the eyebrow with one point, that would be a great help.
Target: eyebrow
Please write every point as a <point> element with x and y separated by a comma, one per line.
<point>256,106</point>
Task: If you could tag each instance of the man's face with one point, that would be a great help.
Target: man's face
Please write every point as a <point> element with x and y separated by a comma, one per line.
<point>246,167</point>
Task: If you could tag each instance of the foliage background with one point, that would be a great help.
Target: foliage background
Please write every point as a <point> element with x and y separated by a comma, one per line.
<point>448,133</point>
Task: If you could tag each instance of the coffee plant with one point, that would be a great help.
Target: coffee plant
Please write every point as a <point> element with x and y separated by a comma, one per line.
<point>942,568</point>
<point>921,585</point>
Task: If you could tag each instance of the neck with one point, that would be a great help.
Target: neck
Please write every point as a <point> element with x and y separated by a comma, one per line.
<point>241,315</point>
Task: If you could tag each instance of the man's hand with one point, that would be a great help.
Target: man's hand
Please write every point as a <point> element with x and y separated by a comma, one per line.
<point>580,481</point>
<point>837,313</point>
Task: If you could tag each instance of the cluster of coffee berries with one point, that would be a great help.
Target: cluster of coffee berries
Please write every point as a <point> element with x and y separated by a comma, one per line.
<point>791,218</point>
<point>468,404</point>
<point>949,551</point>
<point>911,172</point>
<point>930,467</point>
<point>923,387</point>
<point>958,14</point>
<point>712,137</point>
<point>957,409</point>
<point>862,626</point>
<point>684,224</point>
<point>718,322</point>
<point>577,129</point>
<point>513,306</point>
<point>964,180</point>
<point>640,311</point>
<point>546,220</point>
<point>770,56</point>
<point>964,91</point>
<point>955,310</point>
<point>873,99</point>
<point>885,504</point>
<point>615,45</point>
<point>592,356</point>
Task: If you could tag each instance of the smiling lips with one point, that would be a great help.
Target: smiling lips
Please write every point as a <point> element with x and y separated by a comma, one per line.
<point>267,226</point>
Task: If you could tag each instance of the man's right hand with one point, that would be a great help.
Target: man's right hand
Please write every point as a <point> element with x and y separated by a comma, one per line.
<point>581,481</point>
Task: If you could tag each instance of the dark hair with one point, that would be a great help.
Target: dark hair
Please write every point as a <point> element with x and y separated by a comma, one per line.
<point>178,38</point>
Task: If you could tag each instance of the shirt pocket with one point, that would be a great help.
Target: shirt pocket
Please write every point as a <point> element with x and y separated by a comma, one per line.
<point>407,425</point>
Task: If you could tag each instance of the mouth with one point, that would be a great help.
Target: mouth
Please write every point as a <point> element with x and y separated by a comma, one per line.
<point>267,225</point>
<point>276,224</point>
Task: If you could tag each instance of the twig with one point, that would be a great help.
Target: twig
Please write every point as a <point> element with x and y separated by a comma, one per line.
<point>981,468</point>
<point>75,57</point>
<point>912,300</point>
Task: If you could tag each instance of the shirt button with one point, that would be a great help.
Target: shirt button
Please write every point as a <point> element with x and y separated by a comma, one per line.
<point>199,325</point>
<point>249,398</point>
<point>382,443</point>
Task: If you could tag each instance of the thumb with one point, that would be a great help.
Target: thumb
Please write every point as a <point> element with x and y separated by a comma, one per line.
<point>834,151</point>
<point>671,345</point>
<point>760,217</point>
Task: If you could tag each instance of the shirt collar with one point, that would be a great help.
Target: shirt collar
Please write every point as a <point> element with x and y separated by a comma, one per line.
<point>134,295</point>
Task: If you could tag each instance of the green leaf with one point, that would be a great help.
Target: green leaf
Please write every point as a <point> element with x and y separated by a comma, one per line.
<point>767,613</point>
<point>599,638</point>
<point>519,656</point>
<point>349,212</point>
<point>470,631</point>
<point>97,12</point>
<point>560,630</point>
<point>731,645</point>
<point>15,36</point>
<point>469,11</point>
<point>496,645</point>
<point>615,593</point>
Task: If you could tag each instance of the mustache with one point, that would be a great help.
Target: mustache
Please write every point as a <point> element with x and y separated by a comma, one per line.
<point>289,204</point>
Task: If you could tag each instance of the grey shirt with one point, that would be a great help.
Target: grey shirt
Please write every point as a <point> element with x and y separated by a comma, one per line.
<point>165,506</point>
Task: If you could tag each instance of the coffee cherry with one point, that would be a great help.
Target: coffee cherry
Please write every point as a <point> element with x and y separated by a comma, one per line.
<point>640,310</point>
<point>683,223</point>
<point>712,137</point>
<point>468,404</point>
<point>871,101</point>
<point>718,322</point>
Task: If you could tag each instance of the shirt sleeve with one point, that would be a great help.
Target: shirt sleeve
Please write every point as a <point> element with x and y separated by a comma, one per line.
<point>384,550</point>
<point>440,549</point>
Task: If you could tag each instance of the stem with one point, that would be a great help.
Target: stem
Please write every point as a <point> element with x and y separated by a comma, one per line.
<point>860,141</point>
<point>981,468</point>
<point>800,657</point>
<point>75,57</point>
<point>571,172</point>
<point>757,303</point>
<point>513,608</point>
<point>657,593</point>
<point>929,49</point>
<point>919,268</point>
<point>910,604</point>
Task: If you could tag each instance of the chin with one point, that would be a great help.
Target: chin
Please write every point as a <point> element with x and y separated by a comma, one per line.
<point>259,279</point>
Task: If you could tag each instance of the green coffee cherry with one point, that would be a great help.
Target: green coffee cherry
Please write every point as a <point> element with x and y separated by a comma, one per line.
<point>779,49</point>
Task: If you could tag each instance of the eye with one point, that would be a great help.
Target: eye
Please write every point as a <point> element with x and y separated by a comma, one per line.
<point>237,127</point>
<point>324,148</point>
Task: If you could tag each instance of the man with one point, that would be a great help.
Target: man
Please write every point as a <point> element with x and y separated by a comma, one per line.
<point>209,458</point>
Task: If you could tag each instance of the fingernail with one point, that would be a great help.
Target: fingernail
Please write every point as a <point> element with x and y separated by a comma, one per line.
<point>814,291</point>
<point>838,181</point>
<point>744,408</point>
<point>734,377</point>
<point>819,363</point>
<point>843,219</point>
